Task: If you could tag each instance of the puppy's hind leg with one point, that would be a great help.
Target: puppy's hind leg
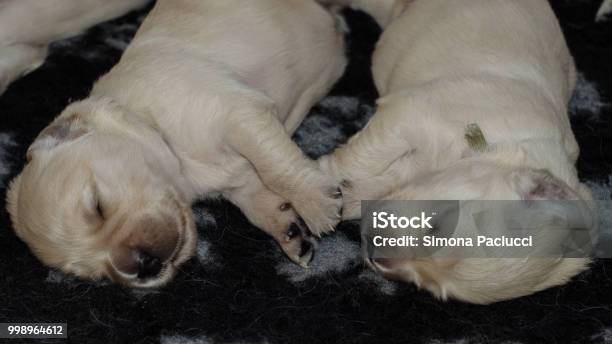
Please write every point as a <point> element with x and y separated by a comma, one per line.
<point>27,27</point>
<point>18,60</point>
<point>275,216</point>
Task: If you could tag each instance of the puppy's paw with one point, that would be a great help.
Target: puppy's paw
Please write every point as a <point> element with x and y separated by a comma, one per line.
<point>351,198</point>
<point>291,234</point>
<point>297,245</point>
<point>319,203</point>
<point>277,217</point>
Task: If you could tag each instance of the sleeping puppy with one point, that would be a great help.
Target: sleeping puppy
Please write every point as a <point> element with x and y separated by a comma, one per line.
<point>27,27</point>
<point>202,103</point>
<point>439,67</point>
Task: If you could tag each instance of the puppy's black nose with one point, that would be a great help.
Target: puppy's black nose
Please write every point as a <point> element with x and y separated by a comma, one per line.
<point>148,265</point>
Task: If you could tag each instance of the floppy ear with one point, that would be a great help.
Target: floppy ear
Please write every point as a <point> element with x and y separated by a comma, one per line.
<point>541,185</point>
<point>62,129</point>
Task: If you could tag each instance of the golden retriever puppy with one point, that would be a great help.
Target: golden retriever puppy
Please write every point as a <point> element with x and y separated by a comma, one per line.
<point>441,66</point>
<point>202,103</point>
<point>28,26</point>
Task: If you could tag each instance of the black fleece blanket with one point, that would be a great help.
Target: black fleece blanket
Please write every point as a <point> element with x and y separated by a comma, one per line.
<point>239,287</point>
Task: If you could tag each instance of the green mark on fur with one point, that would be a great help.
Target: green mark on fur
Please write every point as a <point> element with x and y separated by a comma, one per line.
<point>475,138</point>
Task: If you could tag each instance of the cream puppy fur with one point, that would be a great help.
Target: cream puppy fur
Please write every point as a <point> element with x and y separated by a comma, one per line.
<point>442,65</point>
<point>604,10</point>
<point>28,26</point>
<point>202,103</point>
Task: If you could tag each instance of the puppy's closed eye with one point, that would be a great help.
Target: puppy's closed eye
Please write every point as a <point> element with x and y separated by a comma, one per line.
<point>99,209</point>
<point>94,214</point>
<point>95,210</point>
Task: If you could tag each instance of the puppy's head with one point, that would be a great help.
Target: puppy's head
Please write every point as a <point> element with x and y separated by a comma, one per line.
<point>484,180</point>
<point>486,280</point>
<point>99,198</point>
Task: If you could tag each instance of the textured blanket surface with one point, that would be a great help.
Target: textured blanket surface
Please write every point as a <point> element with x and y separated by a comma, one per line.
<point>239,288</point>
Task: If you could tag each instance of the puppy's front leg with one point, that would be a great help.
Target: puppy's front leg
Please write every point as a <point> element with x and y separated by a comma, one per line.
<point>283,168</point>
<point>373,150</point>
<point>375,160</point>
<point>275,216</point>
<point>375,187</point>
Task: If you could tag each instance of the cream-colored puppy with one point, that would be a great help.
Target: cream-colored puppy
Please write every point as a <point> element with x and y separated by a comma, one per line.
<point>439,67</point>
<point>27,27</point>
<point>202,103</point>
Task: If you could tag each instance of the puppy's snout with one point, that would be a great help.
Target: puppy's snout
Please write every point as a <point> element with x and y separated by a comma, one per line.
<point>143,263</point>
<point>148,265</point>
<point>151,246</point>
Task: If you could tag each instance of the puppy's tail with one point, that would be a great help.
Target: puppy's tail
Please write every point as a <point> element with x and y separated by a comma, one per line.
<point>383,11</point>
